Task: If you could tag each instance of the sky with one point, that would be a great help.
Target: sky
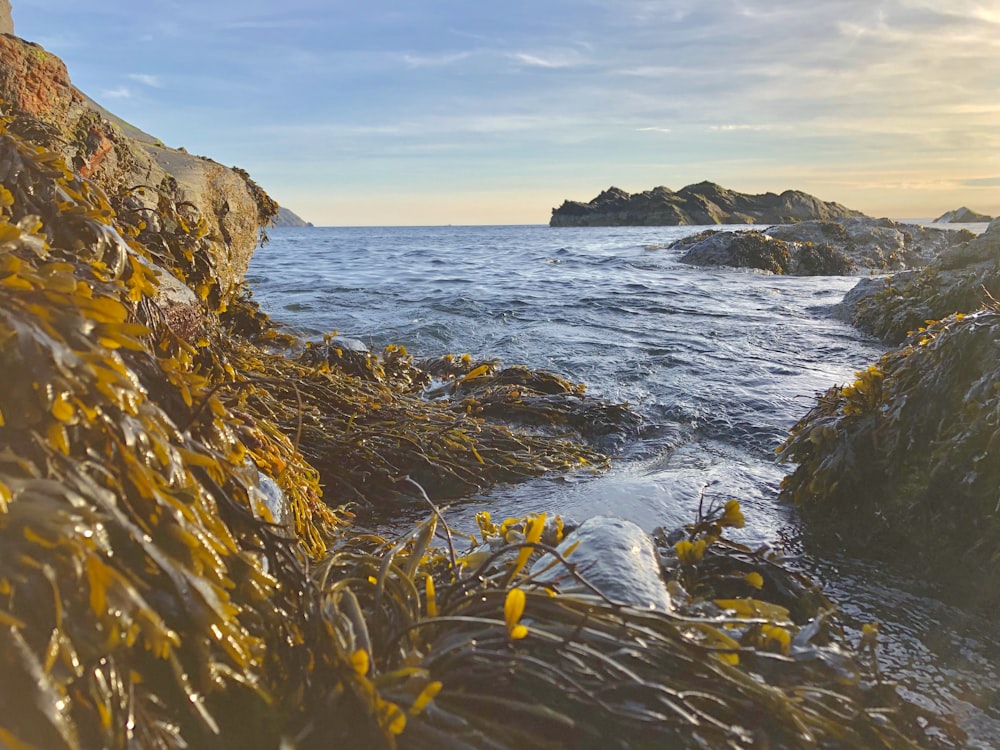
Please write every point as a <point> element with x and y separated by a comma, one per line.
<point>409,112</point>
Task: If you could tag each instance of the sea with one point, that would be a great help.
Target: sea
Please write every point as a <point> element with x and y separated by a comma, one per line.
<point>719,363</point>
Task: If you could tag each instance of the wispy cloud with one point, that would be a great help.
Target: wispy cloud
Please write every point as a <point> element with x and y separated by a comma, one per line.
<point>121,92</point>
<point>146,79</point>
<point>538,62</point>
<point>654,130</point>
<point>435,61</point>
<point>982,182</point>
<point>733,128</point>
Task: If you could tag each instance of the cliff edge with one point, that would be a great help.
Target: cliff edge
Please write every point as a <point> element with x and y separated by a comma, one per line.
<point>700,204</point>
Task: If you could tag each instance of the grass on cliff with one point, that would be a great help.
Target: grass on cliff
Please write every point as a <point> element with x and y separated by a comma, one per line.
<point>152,595</point>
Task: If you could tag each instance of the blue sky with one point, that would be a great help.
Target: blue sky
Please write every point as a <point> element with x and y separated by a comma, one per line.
<point>465,112</point>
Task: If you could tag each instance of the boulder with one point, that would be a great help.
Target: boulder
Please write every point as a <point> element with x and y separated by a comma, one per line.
<point>700,204</point>
<point>820,248</point>
<point>739,250</point>
<point>901,464</point>
<point>616,557</point>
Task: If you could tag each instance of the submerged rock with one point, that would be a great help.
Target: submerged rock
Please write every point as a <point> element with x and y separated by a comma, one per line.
<point>703,203</point>
<point>615,556</point>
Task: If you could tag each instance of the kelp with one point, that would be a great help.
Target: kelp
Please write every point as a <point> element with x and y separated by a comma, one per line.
<point>901,464</point>
<point>152,596</point>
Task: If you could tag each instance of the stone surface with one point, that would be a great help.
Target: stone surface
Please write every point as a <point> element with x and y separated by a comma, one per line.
<point>6,19</point>
<point>615,556</point>
<point>960,279</point>
<point>703,203</point>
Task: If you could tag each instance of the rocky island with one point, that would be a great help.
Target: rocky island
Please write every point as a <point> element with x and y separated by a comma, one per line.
<point>700,204</point>
<point>963,215</point>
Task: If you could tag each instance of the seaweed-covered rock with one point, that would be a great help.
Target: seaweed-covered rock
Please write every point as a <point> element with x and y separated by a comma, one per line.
<point>960,280</point>
<point>820,248</point>
<point>902,463</point>
<point>739,250</point>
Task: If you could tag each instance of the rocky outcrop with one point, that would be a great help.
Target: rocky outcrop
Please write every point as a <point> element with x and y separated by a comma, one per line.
<point>288,218</point>
<point>901,463</point>
<point>959,280</point>
<point>701,204</point>
<point>963,215</point>
<point>49,110</point>
<point>820,248</point>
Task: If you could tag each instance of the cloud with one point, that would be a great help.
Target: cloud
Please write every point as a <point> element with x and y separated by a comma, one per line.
<point>654,130</point>
<point>982,182</point>
<point>122,92</point>
<point>538,62</point>
<point>732,128</point>
<point>146,79</point>
<point>435,61</point>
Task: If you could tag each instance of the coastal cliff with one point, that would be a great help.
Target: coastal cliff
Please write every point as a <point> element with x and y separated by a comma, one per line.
<point>47,109</point>
<point>703,203</point>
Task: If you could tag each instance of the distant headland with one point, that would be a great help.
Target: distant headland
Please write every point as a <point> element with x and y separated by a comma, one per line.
<point>703,203</point>
<point>963,215</point>
<point>288,218</point>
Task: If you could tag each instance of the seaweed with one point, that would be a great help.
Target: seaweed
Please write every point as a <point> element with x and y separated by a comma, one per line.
<point>900,464</point>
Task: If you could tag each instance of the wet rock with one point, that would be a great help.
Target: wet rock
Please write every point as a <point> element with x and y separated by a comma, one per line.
<point>616,557</point>
<point>740,250</point>
<point>961,279</point>
<point>820,248</point>
<point>901,464</point>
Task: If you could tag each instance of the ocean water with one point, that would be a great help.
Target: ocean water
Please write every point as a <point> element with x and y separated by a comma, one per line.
<point>720,363</point>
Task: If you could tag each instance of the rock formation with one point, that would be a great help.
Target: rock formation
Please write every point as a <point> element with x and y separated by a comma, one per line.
<point>704,203</point>
<point>963,215</point>
<point>820,248</point>
<point>959,280</point>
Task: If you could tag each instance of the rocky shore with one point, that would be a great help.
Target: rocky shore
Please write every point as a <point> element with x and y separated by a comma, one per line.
<point>180,560</point>
<point>703,203</point>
